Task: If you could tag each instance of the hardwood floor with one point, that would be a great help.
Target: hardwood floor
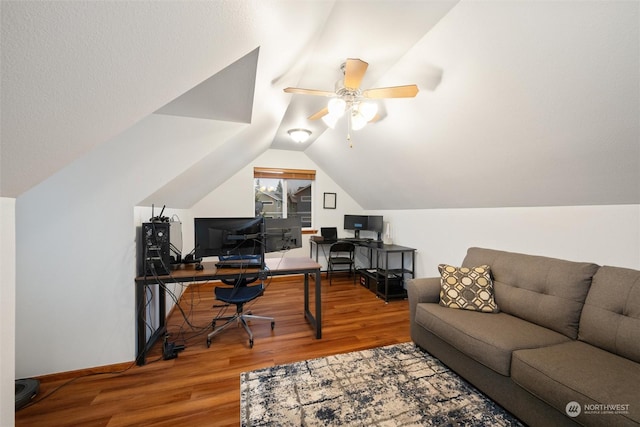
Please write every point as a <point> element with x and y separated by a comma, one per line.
<point>202,386</point>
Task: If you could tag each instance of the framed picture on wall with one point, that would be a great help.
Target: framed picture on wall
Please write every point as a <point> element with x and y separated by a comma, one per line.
<point>329,201</point>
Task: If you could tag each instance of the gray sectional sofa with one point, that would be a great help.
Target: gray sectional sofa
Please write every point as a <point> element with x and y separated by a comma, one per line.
<point>564,348</point>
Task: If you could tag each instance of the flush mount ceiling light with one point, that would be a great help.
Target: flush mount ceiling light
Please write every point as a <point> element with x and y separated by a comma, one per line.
<point>349,98</point>
<point>299,135</point>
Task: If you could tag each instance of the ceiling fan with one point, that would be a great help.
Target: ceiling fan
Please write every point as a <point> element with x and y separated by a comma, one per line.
<point>349,98</point>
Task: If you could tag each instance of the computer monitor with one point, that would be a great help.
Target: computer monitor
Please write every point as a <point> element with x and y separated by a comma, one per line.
<point>364,222</point>
<point>282,234</point>
<point>375,223</point>
<point>175,241</point>
<point>356,223</point>
<point>228,236</point>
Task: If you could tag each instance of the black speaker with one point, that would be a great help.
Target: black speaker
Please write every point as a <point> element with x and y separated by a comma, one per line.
<point>156,258</point>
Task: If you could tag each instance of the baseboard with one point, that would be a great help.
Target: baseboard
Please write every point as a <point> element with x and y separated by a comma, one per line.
<point>67,375</point>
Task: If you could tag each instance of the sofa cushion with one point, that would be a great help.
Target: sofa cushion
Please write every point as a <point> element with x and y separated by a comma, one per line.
<point>611,314</point>
<point>579,372</point>
<point>467,288</point>
<point>489,339</point>
<point>547,291</point>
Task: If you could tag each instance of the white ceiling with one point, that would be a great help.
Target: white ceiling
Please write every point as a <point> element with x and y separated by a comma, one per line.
<point>522,103</point>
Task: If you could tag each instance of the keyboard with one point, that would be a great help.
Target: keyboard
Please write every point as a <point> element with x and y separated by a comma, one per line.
<point>354,240</point>
<point>239,262</point>
<point>246,263</point>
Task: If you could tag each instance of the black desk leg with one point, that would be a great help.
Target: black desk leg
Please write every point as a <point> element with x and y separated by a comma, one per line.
<point>314,318</point>
<point>306,295</point>
<point>140,321</point>
<point>162,303</point>
<point>318,305</point>
<point>144,345</point>
<point>307,312</point>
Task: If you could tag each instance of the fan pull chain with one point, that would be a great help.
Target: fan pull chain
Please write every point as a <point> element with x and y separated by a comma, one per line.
<point>349,130</point>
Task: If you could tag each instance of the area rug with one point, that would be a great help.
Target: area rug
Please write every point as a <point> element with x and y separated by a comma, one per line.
<point>397,385</point>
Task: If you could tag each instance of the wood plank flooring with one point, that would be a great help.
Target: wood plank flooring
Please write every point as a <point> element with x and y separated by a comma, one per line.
<point>202,386</point>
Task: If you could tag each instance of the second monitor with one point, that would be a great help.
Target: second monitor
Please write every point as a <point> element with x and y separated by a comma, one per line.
<point>282,234</point>
<point>364,222</point>
<point>245,237</point>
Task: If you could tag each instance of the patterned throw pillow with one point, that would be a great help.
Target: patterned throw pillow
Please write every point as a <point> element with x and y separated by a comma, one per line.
<point>467,288</point>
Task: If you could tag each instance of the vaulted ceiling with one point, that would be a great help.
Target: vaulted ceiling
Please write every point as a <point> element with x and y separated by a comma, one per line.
<point>521,103</point>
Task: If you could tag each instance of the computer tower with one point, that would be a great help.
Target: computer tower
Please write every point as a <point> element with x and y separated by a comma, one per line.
<point>155,247</point>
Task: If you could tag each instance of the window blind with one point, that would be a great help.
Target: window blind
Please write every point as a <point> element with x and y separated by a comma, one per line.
<point>283,173</point>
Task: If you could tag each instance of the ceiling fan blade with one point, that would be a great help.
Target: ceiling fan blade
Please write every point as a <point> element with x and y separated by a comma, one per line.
<point>354,70</point>
<point>320,114</point>
<point>309,91</point>
<point>408,91</point>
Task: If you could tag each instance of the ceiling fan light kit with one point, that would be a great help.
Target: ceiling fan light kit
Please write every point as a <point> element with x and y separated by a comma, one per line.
<point>337,106</point>
<point>349,98</point>
<point>357,120</point>
<point>330,120</point>
<point>368,110</point>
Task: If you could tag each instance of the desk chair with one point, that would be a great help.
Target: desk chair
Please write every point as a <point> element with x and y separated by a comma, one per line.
<point>341,254</point>
<point>238,293</point>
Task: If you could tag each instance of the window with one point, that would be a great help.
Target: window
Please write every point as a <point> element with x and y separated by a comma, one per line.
<point>284,193</point>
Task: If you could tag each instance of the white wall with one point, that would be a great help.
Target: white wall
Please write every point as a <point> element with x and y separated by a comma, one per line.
<point>601,234</point>
<point>236,197</point>
<point>76,245</point>
<point>7,311</point>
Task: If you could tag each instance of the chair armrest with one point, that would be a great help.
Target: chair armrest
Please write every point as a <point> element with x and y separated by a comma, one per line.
<point>424,289</point>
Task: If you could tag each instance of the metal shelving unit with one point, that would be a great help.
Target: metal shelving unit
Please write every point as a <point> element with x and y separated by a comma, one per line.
<point>384,277</point>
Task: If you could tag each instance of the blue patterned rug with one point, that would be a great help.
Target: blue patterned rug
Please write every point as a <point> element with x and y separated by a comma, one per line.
<point>397,385</point>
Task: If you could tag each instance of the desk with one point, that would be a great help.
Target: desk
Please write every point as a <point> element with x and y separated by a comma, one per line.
<point>373,246</point>
<point>379,268</point>
<point>275,267</point>
<point>320,243</point>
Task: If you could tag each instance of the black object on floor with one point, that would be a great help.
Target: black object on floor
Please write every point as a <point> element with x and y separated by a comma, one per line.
<point>25,391</point>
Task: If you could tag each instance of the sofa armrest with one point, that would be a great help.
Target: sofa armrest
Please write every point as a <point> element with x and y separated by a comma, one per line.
<point>424,289</point>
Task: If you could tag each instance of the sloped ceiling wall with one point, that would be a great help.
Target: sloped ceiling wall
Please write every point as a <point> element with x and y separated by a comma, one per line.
<point>231,149</point>
<point>538,106</point>
<point>77,74</point>
<point>537,102</point>
<point>233,85</point>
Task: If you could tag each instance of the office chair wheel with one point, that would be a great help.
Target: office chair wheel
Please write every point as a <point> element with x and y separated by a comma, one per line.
<point>273,325</point>
<point>208,342</point>
<point>250,343</point>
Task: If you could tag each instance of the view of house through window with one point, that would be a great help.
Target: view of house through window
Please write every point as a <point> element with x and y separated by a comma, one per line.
<point>284,193</point>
